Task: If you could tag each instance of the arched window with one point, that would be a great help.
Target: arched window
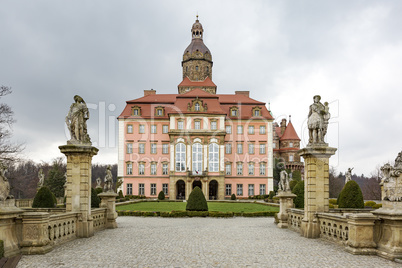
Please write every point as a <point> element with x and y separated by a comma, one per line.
<point>197,158</point>
<point>213,157</point>
<point>180,157</point>
<point>197,106</point>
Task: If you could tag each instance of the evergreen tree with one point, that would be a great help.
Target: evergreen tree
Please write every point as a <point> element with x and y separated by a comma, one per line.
<point>55,178</point>
<point>44,198</point>
<point>351,196</point>
<point>196,201</point>
<point>298,190</point>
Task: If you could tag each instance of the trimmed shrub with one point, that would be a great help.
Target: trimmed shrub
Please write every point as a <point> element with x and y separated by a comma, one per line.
<point>298,190</point>
<point>178,214</point>
<point>259,214</point>
<point>196,201</point>
<point>161,195</point>
<point>197,213</point>
<point>233,197</point>
<point>165,214</point>
<point>44,198</point>
<point>95,200</point>
<point>332,201</point>
<point>1,249</point>
<point>369,204</point>
<point>271,194</point>
<point>98,190</point>
<point>218,214</point>
<point>351,196</point>
<point>331,205</point>
<point>120,194</point>
<point>377,206</point>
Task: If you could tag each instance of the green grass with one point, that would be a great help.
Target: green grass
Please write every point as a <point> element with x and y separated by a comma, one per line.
<point>212,206</point>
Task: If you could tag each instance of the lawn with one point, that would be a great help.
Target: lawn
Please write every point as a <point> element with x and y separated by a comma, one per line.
<point>212,206</point>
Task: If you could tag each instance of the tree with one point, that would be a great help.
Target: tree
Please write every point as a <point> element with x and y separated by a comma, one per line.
<point>351,196</point>
<point>56,177</point>
<point>298,190</point>
<point>196,201</point>
<point>8,149</point>
<point>44,198</point>
<point>95,200</point>
<point>161,195</point>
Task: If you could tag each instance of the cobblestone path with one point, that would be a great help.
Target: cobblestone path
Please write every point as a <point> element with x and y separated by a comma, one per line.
<point>199,242</point>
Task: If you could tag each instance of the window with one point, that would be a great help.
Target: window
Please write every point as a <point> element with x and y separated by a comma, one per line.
<point>165,148</point>
<point>141,148</point>
<point>240,148</point>
<point>180,157</point>
<point>165,129</point>
<point>165,188</point>
<point>129,129</point>
<point>251,189</point>
<point>291,158</point>
<point>262,148</point>
<point>228,169</point>
<point>142,129</point>
<point>153,168</point>
<point>239,189</point>
<point>250,129</point>
<point>262,189</point>
<point>136,110</point>
<point>263,130</point>
<point>197,158</point>
<point>234,112</point>
<point>256,112</point>
<point>129,189</point>
<point>262,168</point>
<point>213,157</point>
<point>159,111</point>
<point>141,169</point>
<point>251,168</point>
<point>197,124</point>
<point>129,168</point>
<point>164,169</point>
<point>213,125</point>
<point>153,129</point>
<point>153,148</point>
<point>129,148</point>
<point>180,124</point>
<point>291,144</point>
<point>239,129</point>
<point>228,148</point>
<point>274,145</point>
<point>153,188</point>
<point>228,129</point>
<point>228,189</point>
<point>251,148</point>
<point>239,168</point>
<point>141,189</point>
<point>197,107</point>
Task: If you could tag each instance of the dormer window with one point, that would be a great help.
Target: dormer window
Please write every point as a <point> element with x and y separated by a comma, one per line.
<point>257,111</point>
<point>136,110</point>
<point>159,111</point>
<point>197,107</point>
<point>234,111</point>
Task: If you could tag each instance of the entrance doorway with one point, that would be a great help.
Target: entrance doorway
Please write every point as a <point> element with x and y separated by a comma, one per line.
<point>197,183</point>
<point>180,190</point>
<point>213,190</point>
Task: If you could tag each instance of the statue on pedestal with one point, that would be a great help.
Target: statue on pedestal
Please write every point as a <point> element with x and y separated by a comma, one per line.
<point>41,178</point>
<point>76,121</point>
<point>284,181</point>
<point>108,187</point>
<point>4,184</point>
<point>348,175</point>
<point>392,180</point>
<point>317,122</point>
<point>98,183</point>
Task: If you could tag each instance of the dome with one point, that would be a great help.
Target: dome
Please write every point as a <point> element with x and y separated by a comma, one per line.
<point>197,44</point>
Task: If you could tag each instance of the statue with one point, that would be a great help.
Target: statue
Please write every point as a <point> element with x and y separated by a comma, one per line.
<point>284,181</point>
<point>348,175</point>
<point>108,187</point>
<point>41,178</point>
<point>317,122</point>
<point>98,183</point>
<point>392,180</point>
<point>4,184</point>
<point>76,121</point>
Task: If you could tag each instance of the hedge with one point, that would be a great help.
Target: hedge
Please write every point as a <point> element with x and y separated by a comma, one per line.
<point>181,214</point>
<point>44,198</point>
<point>196,201</point>
<point>351,196</point>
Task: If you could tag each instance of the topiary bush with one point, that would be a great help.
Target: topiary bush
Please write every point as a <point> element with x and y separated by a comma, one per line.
<point>98,190</point>
<point>233,197</point>
<point>121,194</point>
<point>161,195</point>
<point>95,200</point>
<point>196,201</point>
<point>271,194</point>
<point>332,201</point>
<point>377,206</point>
<point>369,204</point>
<point>351,196</point>
<point>298,190</point>
<point>44,198</point>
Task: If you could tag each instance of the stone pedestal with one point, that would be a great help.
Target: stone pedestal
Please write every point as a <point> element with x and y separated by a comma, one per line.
<point>361,234</point>
<point>285,202</point>
<point>8,227</point>
<point>316,186</point>
<point>78,185</point>
<point>108,201</point>
<point>35,238</point>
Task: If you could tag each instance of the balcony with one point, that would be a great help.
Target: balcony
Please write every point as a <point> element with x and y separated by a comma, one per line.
<point>194,173</point>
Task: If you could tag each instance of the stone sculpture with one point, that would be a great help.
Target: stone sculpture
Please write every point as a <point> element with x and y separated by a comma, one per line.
<point>41,178</point>
<point>348,175</point>
<point>4,184</point>
<point>317,122</point>
<point>392,180</point>
<point>98,183</point>
<point>284,181</point>
<point>108,187</point>
<point>76,121</point>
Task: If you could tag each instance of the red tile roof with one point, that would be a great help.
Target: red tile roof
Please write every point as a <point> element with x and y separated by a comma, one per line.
<point>188,83</point>
<point>290,133</point>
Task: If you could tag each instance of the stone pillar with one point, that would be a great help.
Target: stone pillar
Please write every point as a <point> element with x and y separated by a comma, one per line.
<point>35,238</point>
<point>8,227</point>
<point>108,201</point>
<point>361,234</point>
<point>79,173</point>
<point>285,202</point>
<point>316,186</point>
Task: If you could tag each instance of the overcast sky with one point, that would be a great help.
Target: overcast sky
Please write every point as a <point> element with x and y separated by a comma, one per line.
<point>283,52</point>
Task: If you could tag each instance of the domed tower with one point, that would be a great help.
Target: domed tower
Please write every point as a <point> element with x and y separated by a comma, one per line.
<point>197,59</point>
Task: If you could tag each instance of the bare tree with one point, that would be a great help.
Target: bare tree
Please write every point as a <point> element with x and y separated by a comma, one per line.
<point>8,149</point>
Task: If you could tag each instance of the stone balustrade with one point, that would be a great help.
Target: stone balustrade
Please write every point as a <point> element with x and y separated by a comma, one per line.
<point>62,227</point>
<point>99,218</point>
<point>295,217</point>
<point>334,227</point>
<point>23,203</point>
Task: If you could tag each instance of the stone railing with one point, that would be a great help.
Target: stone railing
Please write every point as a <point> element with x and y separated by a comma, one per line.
<point>334,227</point>
<point>295,217</point>
<point>99,218</point>
<point>23,203</point>
<point>62,227</point>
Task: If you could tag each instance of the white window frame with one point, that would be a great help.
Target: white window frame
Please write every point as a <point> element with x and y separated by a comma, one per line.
<point>180,163</point>
<point>153,189</point>
<point>239,168</point>
<point>239,189</point>
<point>251,130</point>
<point>165,129</point>
<point>165,188</point>
<point>180,124</point>
<point>153,168</point>
<point>165,169</point>
<point>263,189</point>
<point>251,148</point>
<point>239,129</point>
<point>153,148</point>
<point>130,129</point>
<point>263,130</point>
<point>197,124</point>
<point>141,189</point>
<point>129,148</point>
<point>263,148</point>
<point>165,148</point>
<point>228,148</point>
<point>263,167</point>
<point>250,189</point>
<point>214,125</point>
<point>213,157</point>
<point>228,129</point>
<point>129,189</point>
<point>197,158</point>
<point>251,168</point>
<point>228,169</point>
<point>153,129</point>
<point>239,147</point>
<point>228,189</point>
<point>141,129</point>
<point>141,148</point>
<point>129,168</point>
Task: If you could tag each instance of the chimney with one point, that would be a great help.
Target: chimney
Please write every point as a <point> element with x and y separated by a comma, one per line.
<point>245,93</point>
<point>283,125</point>
<point>149,92</point>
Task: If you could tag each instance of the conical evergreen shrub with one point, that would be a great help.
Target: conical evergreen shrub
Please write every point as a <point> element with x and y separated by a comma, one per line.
<point>44,198</point>
<point>351,196</point>
<point>196,201</point>
<point>95,200</point>
<point>298,190</point>
<point>161,195</point>
<point>233,197</point>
